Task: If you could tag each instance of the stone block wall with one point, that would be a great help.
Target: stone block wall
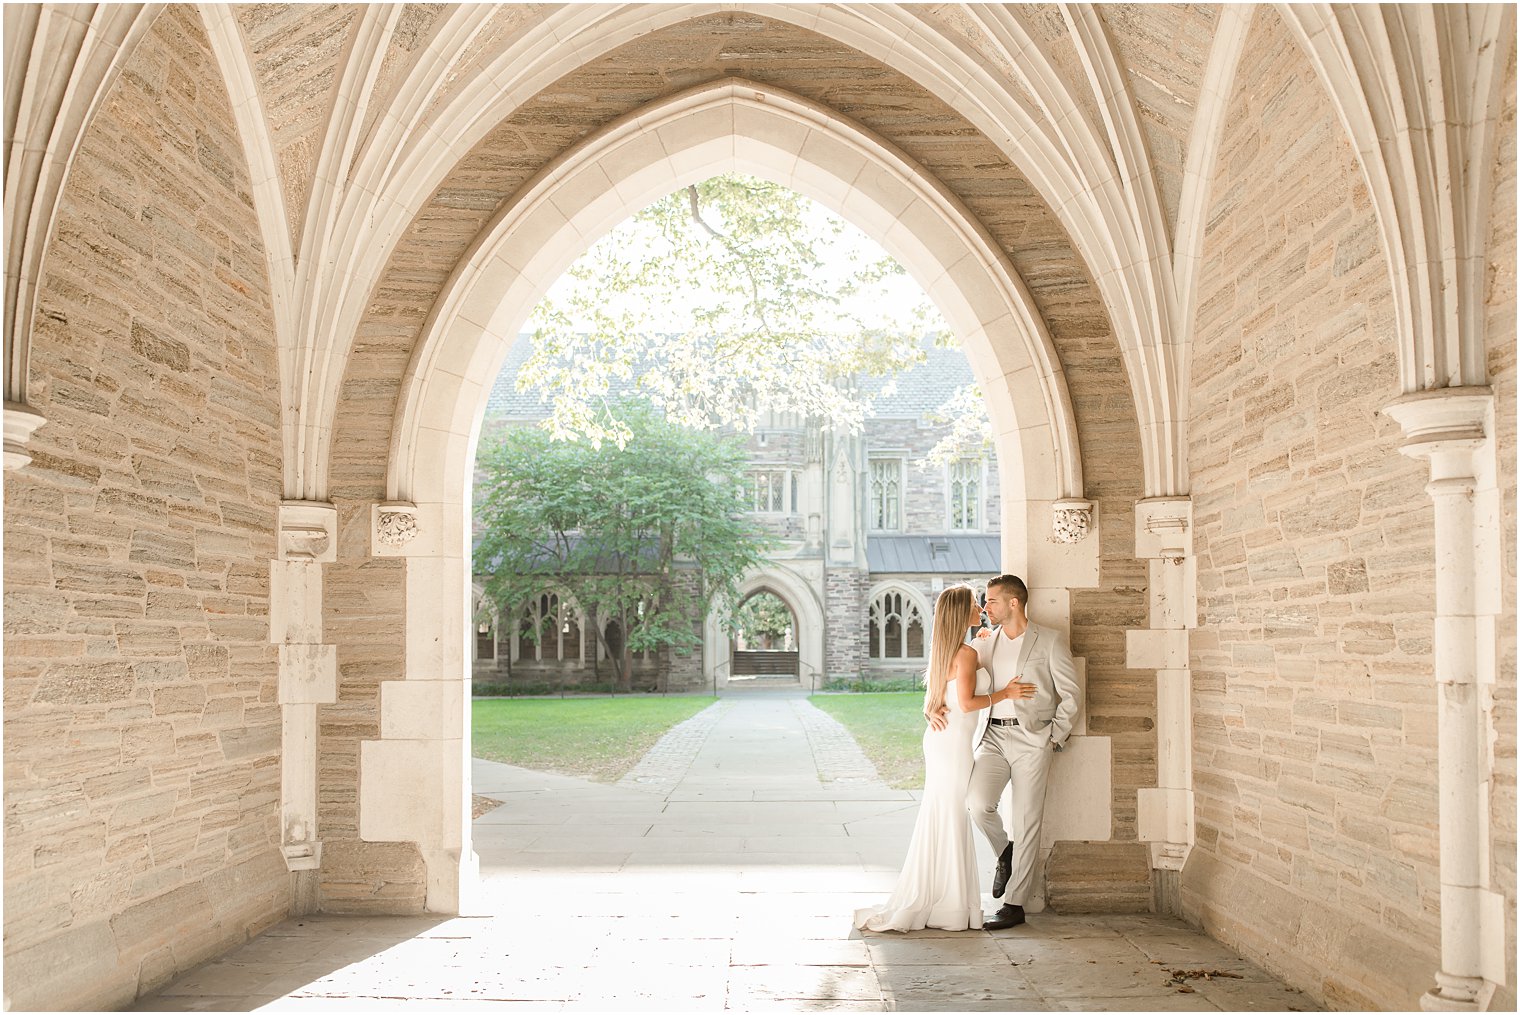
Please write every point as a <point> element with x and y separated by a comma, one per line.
<point>1120,702</point>
<point>142,733</point>
<point>1314,723</point>
<point>682,669</point>
<point>364,612</point>
<point>844,647</point>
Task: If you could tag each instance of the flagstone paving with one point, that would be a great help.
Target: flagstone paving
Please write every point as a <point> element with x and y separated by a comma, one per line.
<point>726,885</point>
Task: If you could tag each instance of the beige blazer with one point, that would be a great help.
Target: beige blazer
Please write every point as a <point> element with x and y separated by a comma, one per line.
<point>1045,661</point>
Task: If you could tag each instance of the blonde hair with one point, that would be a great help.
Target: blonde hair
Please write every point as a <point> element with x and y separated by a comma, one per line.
<point>953,612</point>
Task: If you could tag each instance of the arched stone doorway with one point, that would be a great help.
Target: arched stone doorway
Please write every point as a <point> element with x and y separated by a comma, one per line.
<point>723,126</point>
<point>799,596</point>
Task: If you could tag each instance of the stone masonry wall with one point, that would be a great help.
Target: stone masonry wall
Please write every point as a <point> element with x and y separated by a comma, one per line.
<point>844,647</point>
<point>1314,702</point>
<point>142,734</point>
<point>364,612</point>
<point>1501,374</point>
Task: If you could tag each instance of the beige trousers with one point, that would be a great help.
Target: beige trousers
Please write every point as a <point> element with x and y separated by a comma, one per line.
<point>1011,754</point>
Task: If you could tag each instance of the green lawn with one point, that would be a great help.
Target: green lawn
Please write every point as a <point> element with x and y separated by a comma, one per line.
<point>594,738</point>
<point>889,727</point>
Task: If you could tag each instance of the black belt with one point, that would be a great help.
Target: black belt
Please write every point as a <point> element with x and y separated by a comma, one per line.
<point>1003,722</point>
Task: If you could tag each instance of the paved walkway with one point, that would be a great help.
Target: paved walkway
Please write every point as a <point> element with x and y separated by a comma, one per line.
<point>720,874</point>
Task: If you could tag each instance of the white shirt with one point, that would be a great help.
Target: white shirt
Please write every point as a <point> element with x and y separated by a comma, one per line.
<point>1003,665</point>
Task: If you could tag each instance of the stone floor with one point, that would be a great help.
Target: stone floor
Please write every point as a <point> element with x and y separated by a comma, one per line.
<point>723,877</point>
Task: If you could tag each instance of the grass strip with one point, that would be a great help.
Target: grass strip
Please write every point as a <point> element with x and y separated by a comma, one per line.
<point>593,738</point>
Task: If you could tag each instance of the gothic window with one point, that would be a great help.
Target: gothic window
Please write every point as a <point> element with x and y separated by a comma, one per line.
<point>613,634</point>
<point>485,639</point>
<point>966,494</point>
<point>886,494</point>
<point>895,626</point>
<point>767,491</point>
<point>485,625</point>
<point>548,631</point>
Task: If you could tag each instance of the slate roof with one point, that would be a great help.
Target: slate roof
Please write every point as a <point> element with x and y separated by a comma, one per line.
<point>919,391</point>
<point>506,400</point>
<point>933,554</point>
<point>914,393</point>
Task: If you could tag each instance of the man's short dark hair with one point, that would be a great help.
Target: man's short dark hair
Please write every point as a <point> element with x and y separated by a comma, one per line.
<point>1015,587</point>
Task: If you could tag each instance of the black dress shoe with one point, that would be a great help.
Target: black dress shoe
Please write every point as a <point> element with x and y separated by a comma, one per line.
<point>1008,916</point>
<point>1003,872</point>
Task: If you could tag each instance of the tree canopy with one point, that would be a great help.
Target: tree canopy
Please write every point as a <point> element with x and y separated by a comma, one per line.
<point>645,536</point>
<point>718,302</point>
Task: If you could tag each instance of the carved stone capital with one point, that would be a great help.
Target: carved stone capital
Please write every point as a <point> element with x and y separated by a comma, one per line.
<point>308,532</point>
<point>21,421</point>
<point>1443,420</point>
<point>1164,528</point>
<point>302,856</point>
<point>395,523</point>
<point>1070,520</point>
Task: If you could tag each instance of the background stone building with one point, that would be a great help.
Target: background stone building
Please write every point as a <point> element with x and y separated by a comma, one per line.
<point>870,533</point>
<point>1237,281</point>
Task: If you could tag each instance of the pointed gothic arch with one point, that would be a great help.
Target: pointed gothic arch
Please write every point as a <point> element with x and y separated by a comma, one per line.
<point>727,125</point>
<point>798,595</point>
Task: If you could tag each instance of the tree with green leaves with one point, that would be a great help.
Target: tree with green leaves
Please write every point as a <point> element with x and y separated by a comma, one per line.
<point>970,431</point>
<point>719,302</point>
<point>646,536</point>
<point>761,620</point>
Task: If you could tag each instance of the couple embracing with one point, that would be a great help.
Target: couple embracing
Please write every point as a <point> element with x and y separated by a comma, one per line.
<point>998,708</point>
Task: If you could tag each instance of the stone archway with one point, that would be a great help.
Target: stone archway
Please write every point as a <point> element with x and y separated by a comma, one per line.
<point>726,125</point>
<point>792,589</point>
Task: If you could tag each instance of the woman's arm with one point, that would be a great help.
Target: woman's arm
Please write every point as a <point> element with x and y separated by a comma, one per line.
<point>963,669</point>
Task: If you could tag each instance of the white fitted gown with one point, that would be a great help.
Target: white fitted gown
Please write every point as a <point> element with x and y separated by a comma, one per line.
<point>938,886</point>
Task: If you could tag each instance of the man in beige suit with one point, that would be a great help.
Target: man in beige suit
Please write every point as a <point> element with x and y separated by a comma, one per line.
<point>1017,738</point>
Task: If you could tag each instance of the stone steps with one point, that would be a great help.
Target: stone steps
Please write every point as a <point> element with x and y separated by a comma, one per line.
<point>763,684</point>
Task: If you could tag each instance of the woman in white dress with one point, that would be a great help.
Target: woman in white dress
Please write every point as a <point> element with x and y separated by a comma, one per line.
<point>938,886</point>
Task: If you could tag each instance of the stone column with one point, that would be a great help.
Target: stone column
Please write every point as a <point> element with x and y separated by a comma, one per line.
<point>413,780</point>
<point>1164,537</point>
<point>1452,429</point>
<point>308,678</point>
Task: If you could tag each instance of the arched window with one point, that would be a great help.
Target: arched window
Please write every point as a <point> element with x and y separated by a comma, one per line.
<point>549,631</point>
<point>485,639</point>
<point>485,627</point>
<point>886,494</point>
<point>966,494</point>
<point>613,634</point>
<point>895,627</point>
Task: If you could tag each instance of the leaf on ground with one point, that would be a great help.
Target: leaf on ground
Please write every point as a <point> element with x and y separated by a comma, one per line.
<point>481,805</point>
<point>1179,977</point>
